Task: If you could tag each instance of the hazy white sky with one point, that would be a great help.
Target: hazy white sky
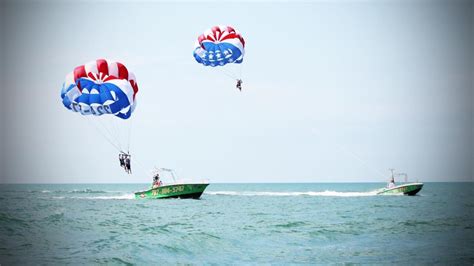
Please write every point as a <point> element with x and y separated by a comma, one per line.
<point>333,92</point>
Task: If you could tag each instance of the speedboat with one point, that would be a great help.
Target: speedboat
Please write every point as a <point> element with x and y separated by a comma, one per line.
<point>409,189</point>
<point>176,189</point>
<point>182,191</point>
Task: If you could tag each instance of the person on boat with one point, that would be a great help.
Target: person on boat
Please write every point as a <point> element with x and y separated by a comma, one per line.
<point>156,181</point>
<point>239,84</point>
<point>391,184</point>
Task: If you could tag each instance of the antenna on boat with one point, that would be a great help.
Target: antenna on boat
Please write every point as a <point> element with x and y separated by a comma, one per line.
<point>393,172</point>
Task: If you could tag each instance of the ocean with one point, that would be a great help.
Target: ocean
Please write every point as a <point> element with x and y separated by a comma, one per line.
<point>315,223</point>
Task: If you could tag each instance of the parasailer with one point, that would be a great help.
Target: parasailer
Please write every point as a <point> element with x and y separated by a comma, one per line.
<point>220,46</point>
<point>103,88</point>
<point>239,84</point>
<point>122,160</point>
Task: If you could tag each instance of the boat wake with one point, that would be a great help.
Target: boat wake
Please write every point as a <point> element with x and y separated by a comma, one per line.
<point>117,197</point>
<point>114,197</point>
<point>75,191</point>
<point>326,193</point>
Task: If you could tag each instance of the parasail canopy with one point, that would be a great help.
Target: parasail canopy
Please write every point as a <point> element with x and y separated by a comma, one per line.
<point>219,46</point>
<point>100,87</point>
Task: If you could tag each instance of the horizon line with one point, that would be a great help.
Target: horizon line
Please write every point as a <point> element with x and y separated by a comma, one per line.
<point>323,182</point>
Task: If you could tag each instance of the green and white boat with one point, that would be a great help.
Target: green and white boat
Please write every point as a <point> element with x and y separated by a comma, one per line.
<point>183,191</point>
<point>177,189</point>
<point>409,189</point>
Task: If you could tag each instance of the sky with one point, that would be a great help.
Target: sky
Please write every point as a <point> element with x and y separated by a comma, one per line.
<point>335,91</point>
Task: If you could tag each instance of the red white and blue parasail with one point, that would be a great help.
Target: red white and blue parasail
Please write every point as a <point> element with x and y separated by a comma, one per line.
<point>100,87</point>
<point>219,46</point>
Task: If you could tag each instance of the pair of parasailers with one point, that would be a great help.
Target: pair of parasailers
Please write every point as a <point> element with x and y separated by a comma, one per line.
<point>124,159</point>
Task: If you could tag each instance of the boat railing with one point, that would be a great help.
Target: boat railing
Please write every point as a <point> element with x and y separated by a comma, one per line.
<point>176,179</point>
<point>405,176</point>
<point>194,181</point>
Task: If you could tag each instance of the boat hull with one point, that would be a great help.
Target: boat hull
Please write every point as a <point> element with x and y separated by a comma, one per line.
<point>183,191</point>
<point>406,189</point>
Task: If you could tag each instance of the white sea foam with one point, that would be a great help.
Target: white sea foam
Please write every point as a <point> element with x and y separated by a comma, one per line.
<point>327,193</point>
<point>116,197</point>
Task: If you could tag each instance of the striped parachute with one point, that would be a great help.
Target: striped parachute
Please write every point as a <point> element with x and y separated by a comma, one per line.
<point>100,87</point>
<point>219,46</point>
<point>103,90</point>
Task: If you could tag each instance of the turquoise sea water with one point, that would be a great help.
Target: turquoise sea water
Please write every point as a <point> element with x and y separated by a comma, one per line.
<point>236,224</point>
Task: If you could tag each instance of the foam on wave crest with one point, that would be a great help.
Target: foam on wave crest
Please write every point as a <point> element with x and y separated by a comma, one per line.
<point>87,190</point>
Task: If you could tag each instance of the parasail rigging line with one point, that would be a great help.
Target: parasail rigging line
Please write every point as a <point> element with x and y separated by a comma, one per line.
<point>100,132</point>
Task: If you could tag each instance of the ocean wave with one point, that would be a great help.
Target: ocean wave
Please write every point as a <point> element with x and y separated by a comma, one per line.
<point>291,224</point>
<point>55,217</point>
<point>29,191</point>
<point>326,193</point>
<point>6,218</point>
<point>87,190</point>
